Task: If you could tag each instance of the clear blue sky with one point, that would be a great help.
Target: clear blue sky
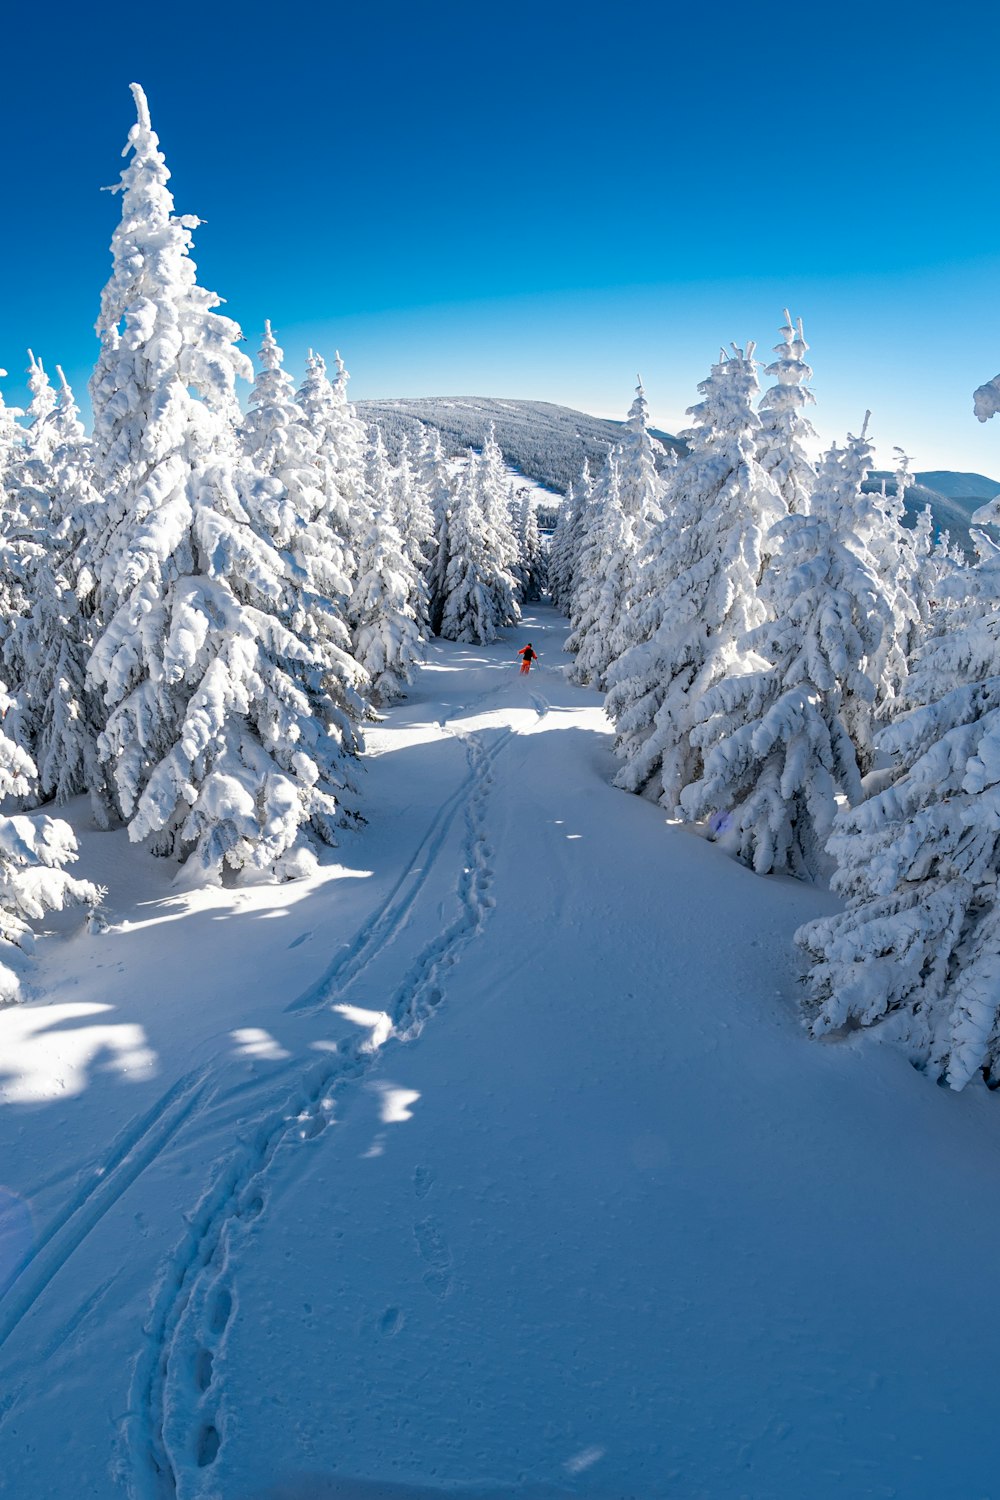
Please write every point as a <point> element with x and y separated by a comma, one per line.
<point>539,199</point>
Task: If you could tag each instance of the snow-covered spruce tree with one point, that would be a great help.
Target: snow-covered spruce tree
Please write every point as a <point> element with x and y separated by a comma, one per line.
<point>585,505</point>
<point>24,525</point>
<point>567,517</point>
<point>343,448</point>
<point>709,560</point>
<point>439,488</point>
<point>890,547</point>
<point>215,753</point>
<point>531,562</point>
<point>381,614</point>
<point>608,557</point>
<point>57,717</point>
<point>285,493</point>
<point>916,950</point>
<point>414,520</point>
<point>39,438</point>
<point>33,881</point>
<point>11,451</point>
<point>479,589</point>
<point>784,428</point>
<point>778,742</point>
<point>341,441</point>
<point>494,488</point>
<point>639,484</point>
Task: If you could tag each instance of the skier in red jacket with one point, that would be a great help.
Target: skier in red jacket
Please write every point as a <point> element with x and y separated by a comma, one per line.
<point>527,654</point>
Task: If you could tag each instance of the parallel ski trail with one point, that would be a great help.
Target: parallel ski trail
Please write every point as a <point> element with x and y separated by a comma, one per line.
<point>176,1423</point>
<point>136,1148</point>
<point>391,916</point>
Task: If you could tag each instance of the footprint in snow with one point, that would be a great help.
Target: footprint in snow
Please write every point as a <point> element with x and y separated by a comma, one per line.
<point>423,1181</point>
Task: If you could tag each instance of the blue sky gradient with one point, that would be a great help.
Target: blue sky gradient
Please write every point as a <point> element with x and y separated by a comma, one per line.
<point>539,200</point>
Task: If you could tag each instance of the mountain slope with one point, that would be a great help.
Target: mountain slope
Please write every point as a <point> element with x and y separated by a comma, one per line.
<point>490,1162</point>
<point>549,443</point>
<point>952,497</point>
<point>543,441</point>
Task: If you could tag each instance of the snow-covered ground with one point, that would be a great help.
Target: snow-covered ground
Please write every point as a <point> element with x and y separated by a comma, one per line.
<point>491,1161</point>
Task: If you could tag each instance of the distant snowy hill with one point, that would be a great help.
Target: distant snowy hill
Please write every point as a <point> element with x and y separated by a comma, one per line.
<point>952,498</point>
<point>543,441</point>
<point>548,443</point>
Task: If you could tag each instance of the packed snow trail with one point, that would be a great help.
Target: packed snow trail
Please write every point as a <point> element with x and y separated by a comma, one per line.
<point>493,1161</point>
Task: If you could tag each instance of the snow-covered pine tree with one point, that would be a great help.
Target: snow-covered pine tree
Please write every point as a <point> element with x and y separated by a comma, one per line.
<point>383,621</point>
<point>889,545</point>
<point>438,487</point>
<point>495,493</point>
<point>639,484</point>
<point>567,517</point>
<point>916,950</point>
<point>479,589</point>
<point>39,438</point>
<point>11,441</point>
<point>779,742</point>
<point>706,571</point>
<point>295,509</point>
<point>532,561</point>
<point>56,716</point>
<point>214,750</point>
<point>414,520</point>
<point>585,504</point>
<point>33,852</point>
<point>784,429</point>
<point>347,442</point>
<point>340,447</point>
<point>606,561</point>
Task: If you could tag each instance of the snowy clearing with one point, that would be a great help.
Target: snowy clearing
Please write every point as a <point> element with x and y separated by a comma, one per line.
<point>491,1160</point>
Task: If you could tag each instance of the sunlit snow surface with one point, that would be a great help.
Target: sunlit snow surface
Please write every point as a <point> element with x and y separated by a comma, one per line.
<point>492,1161</point>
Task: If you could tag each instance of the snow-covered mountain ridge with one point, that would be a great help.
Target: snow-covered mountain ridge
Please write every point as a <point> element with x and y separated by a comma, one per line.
<point>548,443</point>
<point>952,497</point>
<point>543,441</point>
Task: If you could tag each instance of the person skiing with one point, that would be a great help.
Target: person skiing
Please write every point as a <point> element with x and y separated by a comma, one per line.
<point>527,654</point>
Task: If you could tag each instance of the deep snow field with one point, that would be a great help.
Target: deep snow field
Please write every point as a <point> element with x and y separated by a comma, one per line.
<point>492,1161</point>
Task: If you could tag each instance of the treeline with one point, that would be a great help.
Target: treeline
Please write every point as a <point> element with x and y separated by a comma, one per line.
<point>816,685</point>
<point>200,609</point>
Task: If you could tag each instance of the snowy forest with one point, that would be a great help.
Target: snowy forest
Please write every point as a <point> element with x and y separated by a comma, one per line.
<point>202,606</point>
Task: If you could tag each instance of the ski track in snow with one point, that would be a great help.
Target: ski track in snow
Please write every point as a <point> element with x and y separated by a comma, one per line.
<point>387,920</point>
<point>136,1148</point>
<point>175,1426</point>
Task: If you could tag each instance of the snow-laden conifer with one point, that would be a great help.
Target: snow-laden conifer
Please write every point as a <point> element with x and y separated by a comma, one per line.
<point>56,716</point>
<point>917,948</point>
<point>479,589</point>
<point>384,628</point>
<point>585,504</point>
<point>532,571</point>
<point>494,490</point>
<point>414,520</point>
<point>11,440</point>
<point>299,512</point>
<point>707,571</point>
<point>785,743</point>
<point>33,880</point>
<point>891,549</point>
<point>606,561</point>
<point>438,487</point>
<point>567,518</point>
<point>640,487</point>
<point>343,450</point>
<point>215,752</point>
<point>39,437</point>
<point>785,431</point>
